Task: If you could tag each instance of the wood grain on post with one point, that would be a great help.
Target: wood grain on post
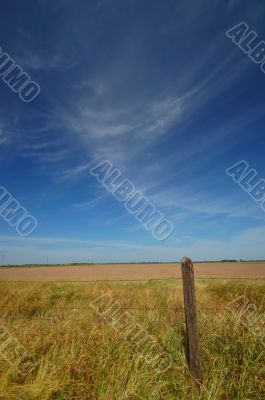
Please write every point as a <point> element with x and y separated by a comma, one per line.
<point>194,358</point>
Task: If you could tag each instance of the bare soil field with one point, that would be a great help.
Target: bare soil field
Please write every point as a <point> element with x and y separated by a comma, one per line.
<point>131,272</point>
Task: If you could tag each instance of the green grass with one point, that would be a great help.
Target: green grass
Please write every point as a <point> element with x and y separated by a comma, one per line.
<point>79,356</point>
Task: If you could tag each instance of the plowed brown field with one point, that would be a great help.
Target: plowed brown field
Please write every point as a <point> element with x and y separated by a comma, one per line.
<point>131,272</point>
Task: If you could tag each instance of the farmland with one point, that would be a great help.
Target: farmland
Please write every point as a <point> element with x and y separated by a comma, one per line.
<point>78,354</point>
<point>131,272</point>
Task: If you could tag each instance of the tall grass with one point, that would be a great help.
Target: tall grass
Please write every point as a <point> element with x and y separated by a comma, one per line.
<point>79,356</point>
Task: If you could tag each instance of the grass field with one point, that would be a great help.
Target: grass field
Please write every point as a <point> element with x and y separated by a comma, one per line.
<point>78,355</point>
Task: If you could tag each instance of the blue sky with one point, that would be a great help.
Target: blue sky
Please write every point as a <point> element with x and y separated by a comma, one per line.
<point>158,89</point>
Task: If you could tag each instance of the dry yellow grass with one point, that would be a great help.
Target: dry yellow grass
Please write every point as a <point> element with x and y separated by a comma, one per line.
<point>79,356</point>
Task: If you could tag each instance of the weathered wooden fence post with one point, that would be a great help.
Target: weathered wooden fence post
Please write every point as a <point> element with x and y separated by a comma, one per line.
<point>194,358</point>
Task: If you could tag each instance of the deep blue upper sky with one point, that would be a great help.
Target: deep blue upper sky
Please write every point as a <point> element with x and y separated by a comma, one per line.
<point>157,88</point>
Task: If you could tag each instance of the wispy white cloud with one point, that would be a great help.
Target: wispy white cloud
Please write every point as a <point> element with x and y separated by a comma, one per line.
<point>71,173</point>
<point>51,156</point>
<point>88,205</point>
<point>35,146</point>
<point>3,138</point>
<point>108,132</point>
<point>33,60</point>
